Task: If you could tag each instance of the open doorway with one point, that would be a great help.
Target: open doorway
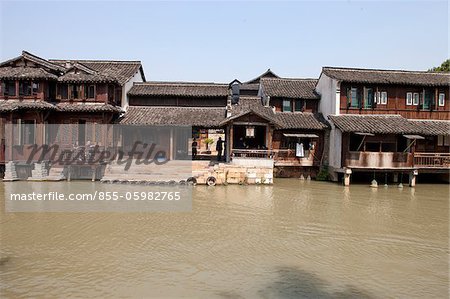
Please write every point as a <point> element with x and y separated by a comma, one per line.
<point>249,137</point>
<point>81,132</point>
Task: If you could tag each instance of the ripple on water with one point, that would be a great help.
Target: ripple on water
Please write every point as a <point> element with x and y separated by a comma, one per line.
<point>295,238</point>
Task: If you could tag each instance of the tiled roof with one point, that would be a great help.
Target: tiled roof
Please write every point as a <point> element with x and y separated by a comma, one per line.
<point>375,124</point>
<point>86,78</point>
<point>245,86</point>
<point>176,116</point>
<point>87,107</point>
<point>122,71</point>
<point>290,88</point>
<point>16,105</point>
<point>179,89</point>
<point>266,74</point>
<point>14,73</point>
<point>42,61</point>
<point>302,120</point>
<point>387,76</point>
<point>282,120</point>
<point>253,105</point>
<point>432,127</point>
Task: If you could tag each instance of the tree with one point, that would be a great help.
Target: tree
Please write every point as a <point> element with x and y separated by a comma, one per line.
<point>444,67</point>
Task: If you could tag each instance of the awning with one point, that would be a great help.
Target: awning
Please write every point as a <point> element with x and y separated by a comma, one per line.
<point>300,135</point>
<point>413,137</point>
<point>364,134</point>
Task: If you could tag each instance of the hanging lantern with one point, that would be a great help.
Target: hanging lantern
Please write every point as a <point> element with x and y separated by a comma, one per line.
<point>250,131</point>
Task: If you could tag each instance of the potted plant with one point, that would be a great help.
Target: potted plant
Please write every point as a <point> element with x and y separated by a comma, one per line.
<point>208,142</point>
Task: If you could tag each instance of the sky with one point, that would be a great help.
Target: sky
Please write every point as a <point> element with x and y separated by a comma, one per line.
<point>216,41</point>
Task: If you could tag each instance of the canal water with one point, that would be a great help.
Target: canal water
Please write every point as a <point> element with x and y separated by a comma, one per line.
<point>291,240</point>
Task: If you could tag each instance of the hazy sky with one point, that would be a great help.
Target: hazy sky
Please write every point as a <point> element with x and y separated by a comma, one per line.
<point>220,41</point>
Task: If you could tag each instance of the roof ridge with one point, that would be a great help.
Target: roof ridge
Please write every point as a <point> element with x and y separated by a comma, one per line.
<point>178,83</point>
<point>429,120</point>
<point>41,60</point>
<point>382,70</point>
<point>94,60</point>
<point>370,115</point>
<point>183,107</point>
<point>296,79</point>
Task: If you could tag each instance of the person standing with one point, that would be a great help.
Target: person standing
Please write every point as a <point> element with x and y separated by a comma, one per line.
<point>219,148</point>
<point>194,149</point>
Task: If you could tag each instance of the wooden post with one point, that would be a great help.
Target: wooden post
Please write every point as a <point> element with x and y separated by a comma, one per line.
<point>347,174</point>
<point>171,147</point>
<point>94,170</point>
<point>68,173</point>
<point>412,178</point>
<point>395,177</point>
<point>230,142</point>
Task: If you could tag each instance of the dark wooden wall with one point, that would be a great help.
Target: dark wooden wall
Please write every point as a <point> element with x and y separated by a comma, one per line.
<point>396,103</point>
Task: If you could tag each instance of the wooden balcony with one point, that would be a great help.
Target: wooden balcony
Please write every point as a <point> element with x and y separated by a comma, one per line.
<point>252,153</point>
<point>281,157</point>
<point>287,157</point>
<point>378,160</point>
<point>392,160</point>
<point>432,160</point>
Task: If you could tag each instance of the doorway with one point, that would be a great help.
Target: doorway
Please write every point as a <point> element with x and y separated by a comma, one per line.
<point>249,137</point>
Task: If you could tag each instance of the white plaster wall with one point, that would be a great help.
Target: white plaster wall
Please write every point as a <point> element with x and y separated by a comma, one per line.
<point>127,86</point>
<point>335,147</point>
<point>329,95</point>
<point>329,90</point>
<point>249,162</point>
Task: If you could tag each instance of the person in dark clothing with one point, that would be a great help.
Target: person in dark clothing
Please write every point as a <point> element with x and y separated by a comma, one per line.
<point>194,149</point>
<point>219,148</point>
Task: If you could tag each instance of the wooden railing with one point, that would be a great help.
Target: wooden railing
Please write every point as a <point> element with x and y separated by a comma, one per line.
<point>252,153</point>
<point>378,160</point>
<point>288,157</point>
<point>432,160</point>
<point>281,157</point>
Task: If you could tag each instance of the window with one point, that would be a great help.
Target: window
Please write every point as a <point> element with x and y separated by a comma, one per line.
<point>443,140</point>
<point>75,91</point>
<point>89,91</point>
<point>442,99</point>
<point>353,97</point>
<point>62,91</point>
<point>368,98</point>
<point>409,98</point>
<point>35,87</point>
<point>427,100</point>
<point>27,129</point>
<point>416,98</point>
<point>111,93</point>
<point>9,88</point>
<point>384,97</point>
<point>377,97</point>
<point>287,106</point>
<point>298,105</point>
<point>24,88</point>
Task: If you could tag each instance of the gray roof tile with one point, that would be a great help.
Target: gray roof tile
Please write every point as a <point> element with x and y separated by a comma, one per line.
<point>388,76</point>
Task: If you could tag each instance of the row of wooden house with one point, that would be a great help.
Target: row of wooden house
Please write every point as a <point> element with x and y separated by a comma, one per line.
<point>348,121</point>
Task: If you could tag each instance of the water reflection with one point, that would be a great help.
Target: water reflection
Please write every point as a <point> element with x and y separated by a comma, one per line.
<point>294,239</point>
<point>296,283</point>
